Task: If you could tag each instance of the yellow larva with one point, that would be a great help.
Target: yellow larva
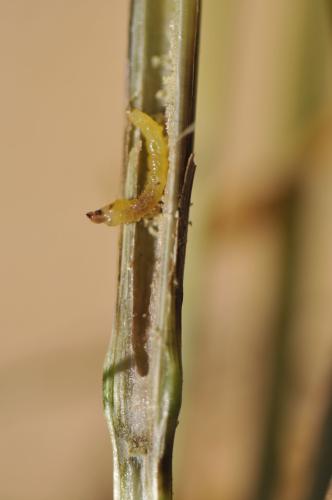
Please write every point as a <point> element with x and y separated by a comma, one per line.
<point>125,211</point>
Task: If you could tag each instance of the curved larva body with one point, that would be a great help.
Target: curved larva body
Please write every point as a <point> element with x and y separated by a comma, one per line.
<point>125,211</point>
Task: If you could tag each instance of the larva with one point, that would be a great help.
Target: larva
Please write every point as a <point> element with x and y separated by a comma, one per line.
<point>125,211</point>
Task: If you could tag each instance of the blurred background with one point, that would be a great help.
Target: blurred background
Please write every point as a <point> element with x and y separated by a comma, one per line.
<point>256,417</point>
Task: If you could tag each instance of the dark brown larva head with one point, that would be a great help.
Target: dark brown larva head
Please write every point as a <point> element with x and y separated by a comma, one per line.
<point>97,216</point>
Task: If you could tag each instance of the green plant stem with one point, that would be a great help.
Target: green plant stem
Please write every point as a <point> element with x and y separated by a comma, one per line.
<point>143,373</point>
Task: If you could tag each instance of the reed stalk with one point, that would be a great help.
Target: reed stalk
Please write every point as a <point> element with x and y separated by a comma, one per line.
<point>143,373</point>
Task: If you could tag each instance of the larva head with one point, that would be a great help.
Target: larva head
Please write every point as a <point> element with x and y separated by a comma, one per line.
<point>97,216</point>
<point>103,215</point>
<point>113,214</point>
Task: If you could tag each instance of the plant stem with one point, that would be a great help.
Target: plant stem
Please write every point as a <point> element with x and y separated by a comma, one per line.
<point>143,373</point>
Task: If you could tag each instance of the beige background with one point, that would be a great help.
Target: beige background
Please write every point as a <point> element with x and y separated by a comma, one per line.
<point>61,101</point>
<point>264,80</point>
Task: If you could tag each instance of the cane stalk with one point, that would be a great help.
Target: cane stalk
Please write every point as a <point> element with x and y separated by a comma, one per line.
<point>143,373</point>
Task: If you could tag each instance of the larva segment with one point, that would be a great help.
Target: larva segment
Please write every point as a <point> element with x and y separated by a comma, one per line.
<point>125,211</point>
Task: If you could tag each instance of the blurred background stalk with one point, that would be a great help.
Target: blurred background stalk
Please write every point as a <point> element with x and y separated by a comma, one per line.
<point>143,373</point>
<point>263,238</point>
